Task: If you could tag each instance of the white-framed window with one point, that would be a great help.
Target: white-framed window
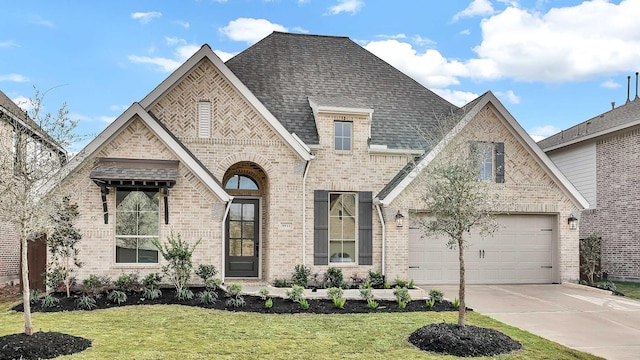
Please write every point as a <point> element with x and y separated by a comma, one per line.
<point>343,225</point>
<point>204,119</point>
<point>486,160</point>
<point>342,135</point>
<point>137,225</point>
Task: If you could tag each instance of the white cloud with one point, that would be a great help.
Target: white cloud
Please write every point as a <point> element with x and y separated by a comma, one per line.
<point>456,97</point>
<point>300,30</point>
<point>610,84</point>
<point>476,8</point>
<point>146,17</point>
<point>250,30</point>
<point>23,102</point>
<point>429,68</point>
<point>509,96</point>
<point>223,55</point>
<point>419,40</point>
<point>540,132</point>
<point>171,41</point>
<point>465,32</point>
<point>563,44</point>
<point>107,119</point>
<point>397,36</point>
<point>184,24</point>
<point>181,54</point>
<point>119,108</point>
<point>350,6</point>
<point>38,20</point>
<point>13,77</point>
<point>8,43</point>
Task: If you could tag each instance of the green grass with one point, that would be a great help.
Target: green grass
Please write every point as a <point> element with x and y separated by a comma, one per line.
<point>629,289</point>
<point>181,332</point>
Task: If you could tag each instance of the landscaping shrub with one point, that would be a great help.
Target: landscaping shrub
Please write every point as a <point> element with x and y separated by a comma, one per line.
<point>151,285</point>
<point>128,283</point>
<point>590,250</point>
<point>178,255</point>
<point>95,286</point>
<point>233,292</point>
<point>117,296</point>
<point>436,295</point>
<point>86,302</point>
<point>206,271</point>
<point>62,244</point>
<point>402,296</point>
<point>366,294</point>
<point>300,275</point>
<point>280,283</point>
<point>376,279</point>
<point>49,301</point>
<point>264,293</point>
<point>334,278</point>
<point>295,294</point>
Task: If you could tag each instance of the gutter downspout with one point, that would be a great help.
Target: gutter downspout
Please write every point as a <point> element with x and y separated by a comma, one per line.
<point>384,236</point>
<point>224,235</point>
<point>304,213</point>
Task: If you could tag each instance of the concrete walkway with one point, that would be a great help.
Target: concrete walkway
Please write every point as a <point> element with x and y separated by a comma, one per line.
<point>576,316</point>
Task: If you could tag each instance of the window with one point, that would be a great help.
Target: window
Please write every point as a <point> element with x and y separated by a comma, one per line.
<point>342,228</point>
<point>342,135</point>
<point>137,223</point>
<point>241,182</point>
<point>204,119</point>
<point>490,158</point>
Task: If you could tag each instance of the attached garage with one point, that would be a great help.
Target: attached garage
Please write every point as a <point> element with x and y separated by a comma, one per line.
<point>522,251</point>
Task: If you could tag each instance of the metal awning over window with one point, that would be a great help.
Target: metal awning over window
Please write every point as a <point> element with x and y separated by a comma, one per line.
<point>134,173</point>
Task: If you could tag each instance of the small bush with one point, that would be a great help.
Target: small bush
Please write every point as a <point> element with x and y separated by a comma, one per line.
<point>339,302</point>
<point>404,283</point>
<point>280,283</point>
<point>49,301</point>
<point>264,293</point>
<point>376,279</point>
<point>268,304</point>
<point>207,297</point>
<point>356,281</point>
<point>117,297</point>
<point>456,303</point>
<point>402,304</point>
<point>152,280</point>
<point>304,304</point>
<point>184,294</point>
<point>436,295</point>
<point>206,271</point>
<point>402,295</point>
<point>95,285</point>
<point>386,285</point>
<point>334,278</point>
<point>295,293</point>
<point>430,303</point>
<point>372,304</point>
<point>233,292</point>
<point>300,275</point>
<point>366,294</point>
<point>335,292</point>
<point>607,285</point>
<point>34,295</point>
<point>128,283</point>
<point>86,302</point>
<point>151,293</point>
<point>212,283</point>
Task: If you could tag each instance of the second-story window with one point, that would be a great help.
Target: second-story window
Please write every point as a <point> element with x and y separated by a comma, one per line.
<point>342,135</point>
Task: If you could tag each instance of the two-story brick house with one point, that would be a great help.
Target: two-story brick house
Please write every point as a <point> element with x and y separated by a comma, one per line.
<point>600,157</point>
<point>303,149</point>
<point>21,139</point>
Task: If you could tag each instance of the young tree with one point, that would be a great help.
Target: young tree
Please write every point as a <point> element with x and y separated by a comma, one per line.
<point>590,249</point>
<point>63,243</point>
<point>32,151</point>
<point>458,201</point>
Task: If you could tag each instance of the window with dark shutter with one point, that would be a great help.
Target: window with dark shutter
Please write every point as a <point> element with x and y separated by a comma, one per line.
<point>499,149</point>
<point>320,227</point>
<point>365,227</point>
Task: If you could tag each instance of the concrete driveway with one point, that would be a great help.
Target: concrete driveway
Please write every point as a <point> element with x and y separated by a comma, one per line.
<point>576,316</point>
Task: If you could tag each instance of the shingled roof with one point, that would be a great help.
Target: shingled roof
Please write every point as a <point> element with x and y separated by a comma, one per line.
<point>616,119</point>
<point>284,70</point>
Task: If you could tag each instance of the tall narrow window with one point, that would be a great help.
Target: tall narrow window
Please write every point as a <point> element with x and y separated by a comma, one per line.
<point>137,223</point>
<point>204,119</point>
<point>342,228</point>
<point>485,160</point>
<point>342,135</point>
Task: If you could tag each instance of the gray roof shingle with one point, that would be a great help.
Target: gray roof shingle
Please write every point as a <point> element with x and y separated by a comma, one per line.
<point>284,70</point>
<point>610,120</point>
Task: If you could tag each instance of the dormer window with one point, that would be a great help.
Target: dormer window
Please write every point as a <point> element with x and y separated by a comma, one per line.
<point>342,135</point>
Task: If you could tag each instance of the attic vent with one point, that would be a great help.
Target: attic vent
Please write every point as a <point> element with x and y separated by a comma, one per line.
<point>204,119</point>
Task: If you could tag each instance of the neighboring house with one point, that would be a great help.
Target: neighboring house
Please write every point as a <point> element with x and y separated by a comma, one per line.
<point>20,138</point>
<point>600,157</point>
<point>302,150</point>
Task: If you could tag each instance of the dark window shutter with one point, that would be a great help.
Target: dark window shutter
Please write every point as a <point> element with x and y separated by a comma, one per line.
<point>365,226</point>
<point>499,148</point>
<point>320,227</point>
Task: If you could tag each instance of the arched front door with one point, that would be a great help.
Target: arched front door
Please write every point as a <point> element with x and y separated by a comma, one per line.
<point>242,243</point>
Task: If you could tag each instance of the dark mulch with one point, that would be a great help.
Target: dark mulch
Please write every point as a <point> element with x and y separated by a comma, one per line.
<point>40,345</point>
<point>467,341</point>
<point>253,304</point>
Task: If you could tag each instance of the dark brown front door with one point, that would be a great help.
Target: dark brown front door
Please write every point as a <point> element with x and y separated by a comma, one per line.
<point>243,235</point>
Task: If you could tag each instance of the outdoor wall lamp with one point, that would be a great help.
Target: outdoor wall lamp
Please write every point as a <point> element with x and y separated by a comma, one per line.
<point>573,222</point>
<point>399,219</point>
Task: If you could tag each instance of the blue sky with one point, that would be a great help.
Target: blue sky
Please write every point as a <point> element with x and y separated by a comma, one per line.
<point>552,63</point>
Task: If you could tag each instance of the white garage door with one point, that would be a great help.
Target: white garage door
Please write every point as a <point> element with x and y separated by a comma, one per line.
<point>521,251</point>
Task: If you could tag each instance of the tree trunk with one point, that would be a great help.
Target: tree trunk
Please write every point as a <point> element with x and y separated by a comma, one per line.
<point>462,313</point>
<point>28,327</point>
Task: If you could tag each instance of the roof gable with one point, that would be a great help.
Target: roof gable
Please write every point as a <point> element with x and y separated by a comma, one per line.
<point>180,151</point>
<point>285,70</point>
<point>205,52</point>
<point>413,169</point>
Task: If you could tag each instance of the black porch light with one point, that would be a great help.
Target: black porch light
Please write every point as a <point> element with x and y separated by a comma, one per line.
<point>399,219</point>
<point>573,222</point>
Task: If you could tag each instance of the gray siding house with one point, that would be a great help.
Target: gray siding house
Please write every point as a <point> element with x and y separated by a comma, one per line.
<point>600,157</point>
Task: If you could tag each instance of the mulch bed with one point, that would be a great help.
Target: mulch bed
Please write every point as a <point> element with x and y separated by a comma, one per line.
<point>467,341</point>
<point>441,338</point>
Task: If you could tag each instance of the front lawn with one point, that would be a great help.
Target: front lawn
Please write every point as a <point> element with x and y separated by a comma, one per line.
<point>629,289</point>
<point>184,332</point>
